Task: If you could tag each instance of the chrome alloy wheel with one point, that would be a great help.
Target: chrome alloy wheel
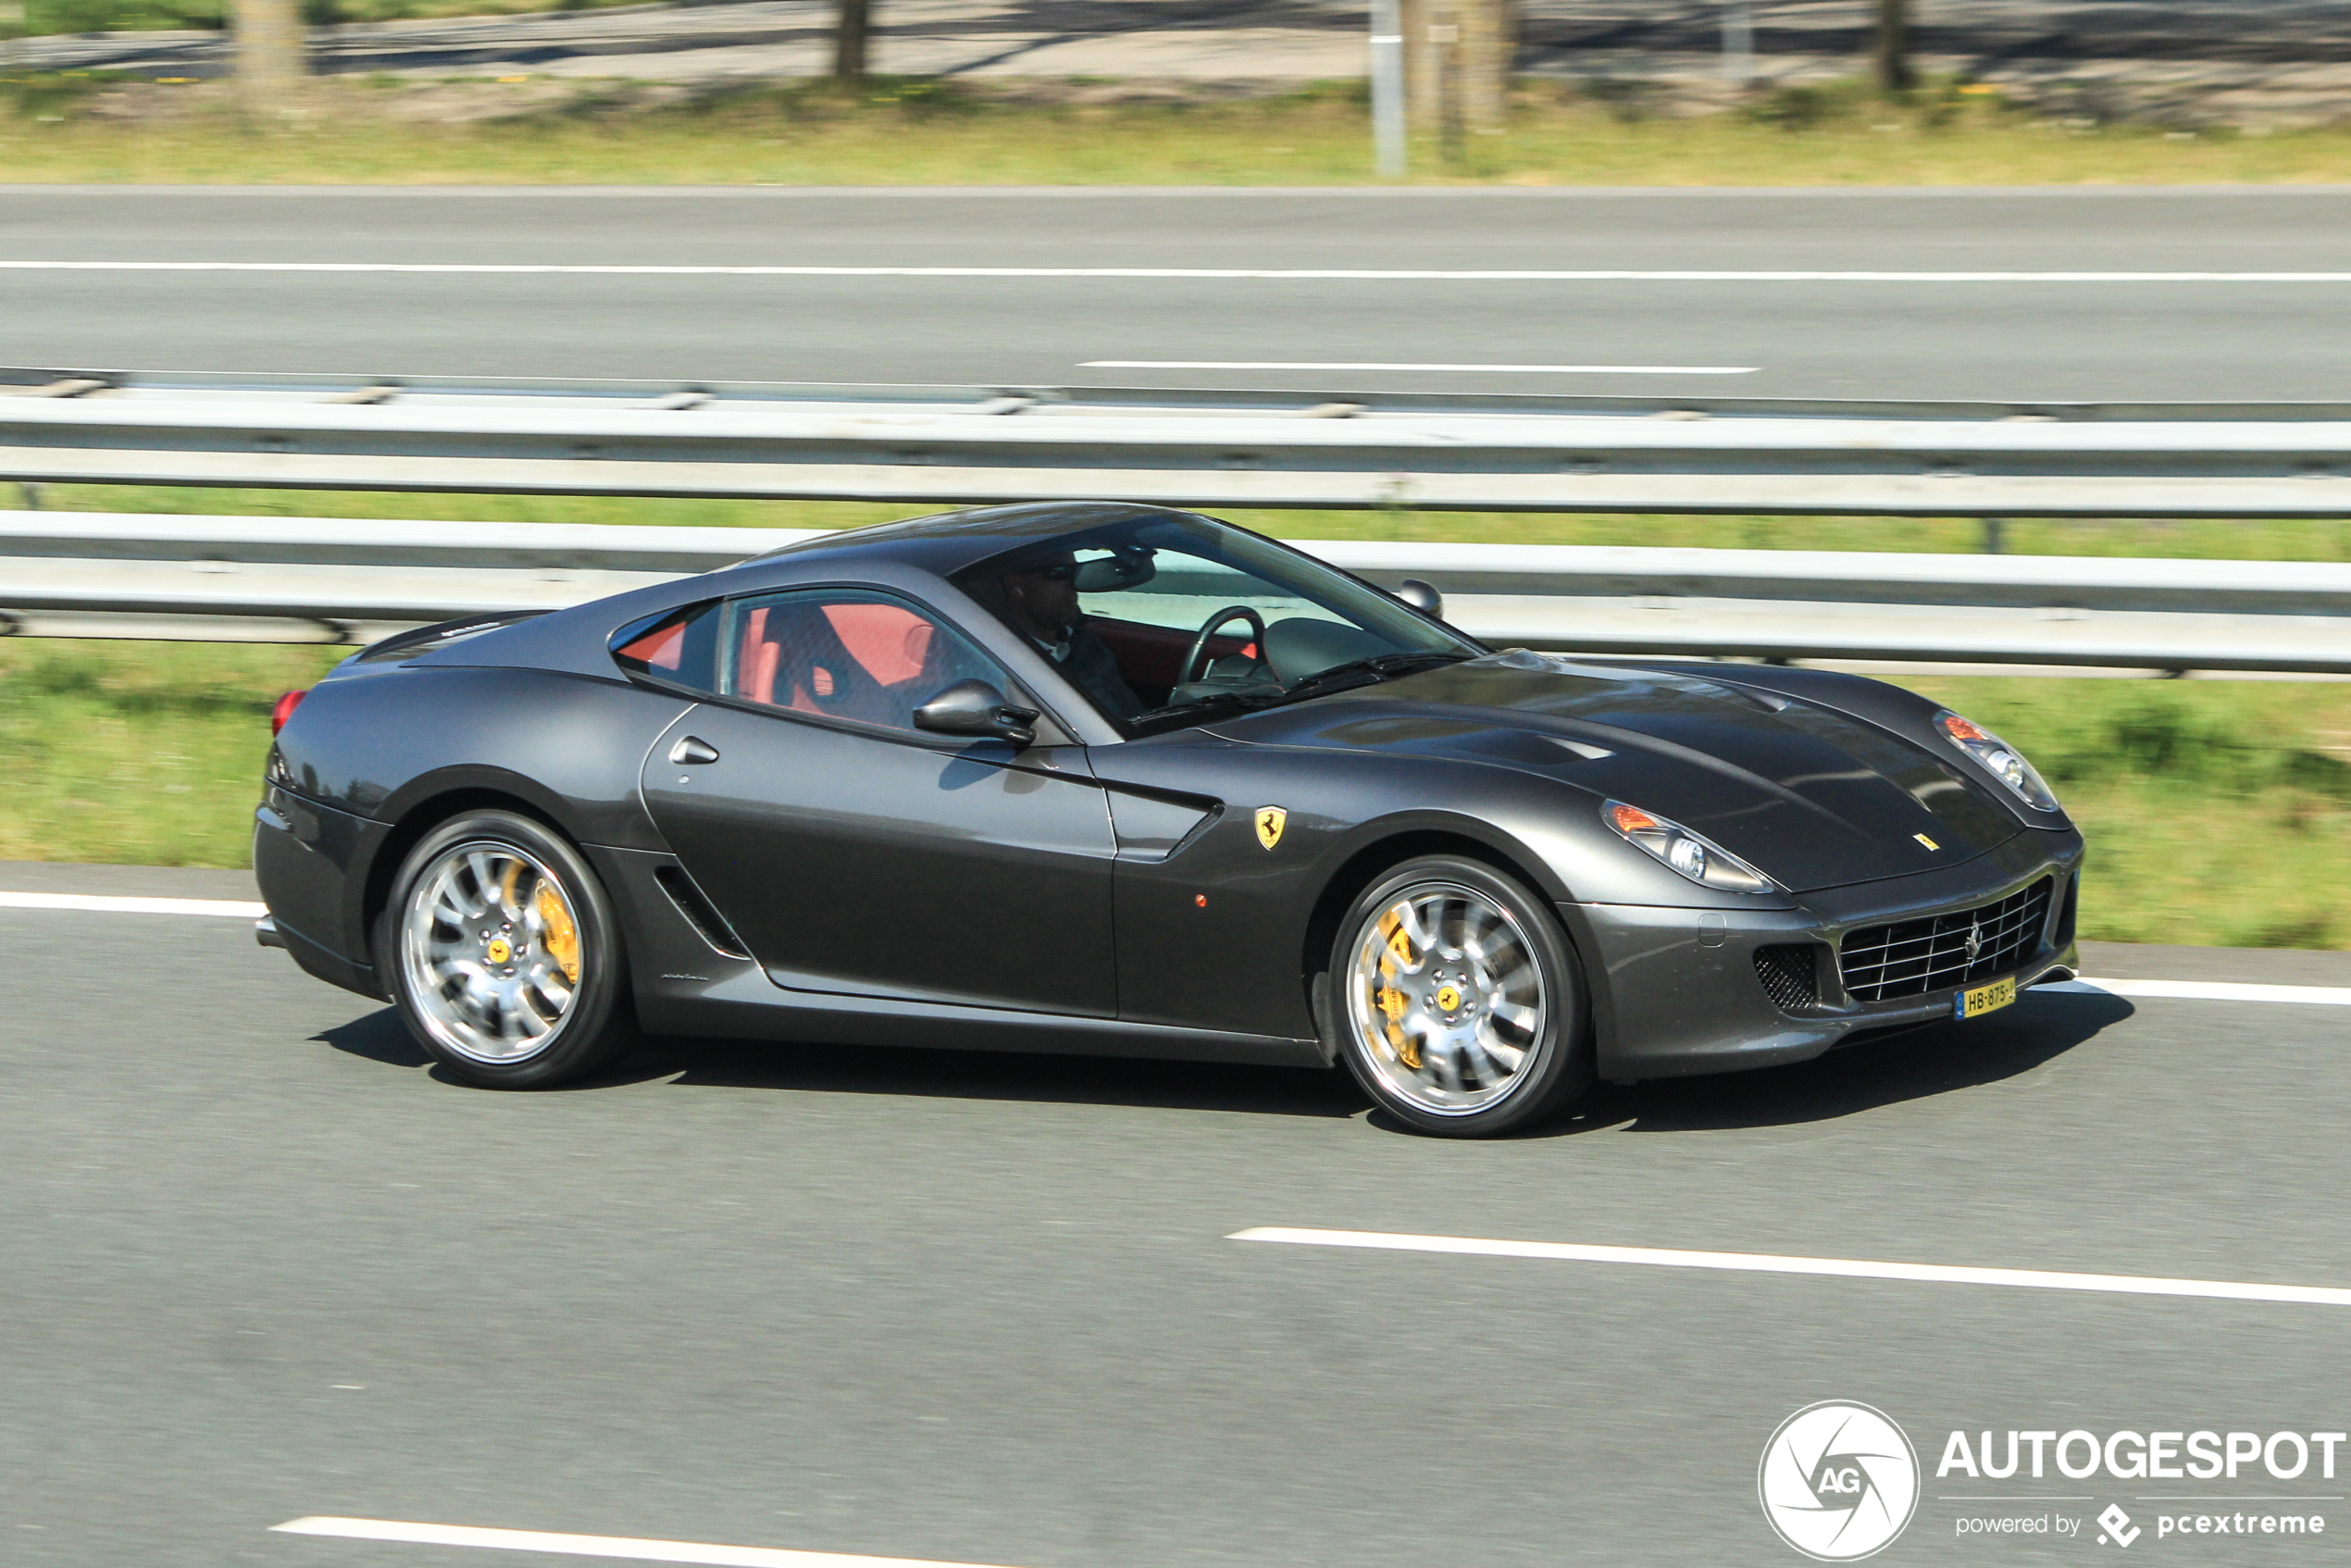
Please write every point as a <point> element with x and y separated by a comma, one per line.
<point>489,948</point>
<point>1445,998</point>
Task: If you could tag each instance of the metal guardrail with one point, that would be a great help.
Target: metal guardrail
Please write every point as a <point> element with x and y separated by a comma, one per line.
<point>937,445</point>
<point>337,581</point>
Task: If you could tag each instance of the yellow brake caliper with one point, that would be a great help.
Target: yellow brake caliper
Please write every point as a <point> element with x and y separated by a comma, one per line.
<point>1391,1001</point>
<point>557,934</point>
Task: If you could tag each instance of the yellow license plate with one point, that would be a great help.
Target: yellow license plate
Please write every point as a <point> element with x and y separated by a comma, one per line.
<point>1984,999</point>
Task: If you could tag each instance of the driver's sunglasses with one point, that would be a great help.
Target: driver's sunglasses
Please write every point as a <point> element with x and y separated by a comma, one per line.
<point>1059,572</point>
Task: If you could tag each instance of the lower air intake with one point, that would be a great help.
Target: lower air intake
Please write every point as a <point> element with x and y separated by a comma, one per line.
<point>1791,978</point>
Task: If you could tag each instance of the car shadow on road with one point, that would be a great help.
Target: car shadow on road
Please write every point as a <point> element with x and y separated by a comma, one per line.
<point>1918,1065</point>
<point>1930,1061</point>
<point>994,1075</point>
<point>379,1036</point>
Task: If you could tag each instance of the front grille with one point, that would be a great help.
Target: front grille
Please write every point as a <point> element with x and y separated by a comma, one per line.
<point>1913,957</point>
<point>1790,977</point>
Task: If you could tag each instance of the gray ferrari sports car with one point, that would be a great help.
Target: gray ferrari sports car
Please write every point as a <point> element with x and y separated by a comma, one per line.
<point>1108,777</point>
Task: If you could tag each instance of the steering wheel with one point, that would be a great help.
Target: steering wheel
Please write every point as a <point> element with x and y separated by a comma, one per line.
<point>1194,663</point>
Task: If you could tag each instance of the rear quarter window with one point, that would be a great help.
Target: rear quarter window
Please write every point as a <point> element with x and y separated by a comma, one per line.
<point>678,646</point>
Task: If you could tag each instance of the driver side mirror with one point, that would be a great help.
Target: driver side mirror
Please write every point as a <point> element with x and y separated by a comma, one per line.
<point>1422,596</point>
<point>975,708</point>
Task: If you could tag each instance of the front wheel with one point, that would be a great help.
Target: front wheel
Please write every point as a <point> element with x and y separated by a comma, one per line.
<point>503,954</point>
<point>1458,1004</point>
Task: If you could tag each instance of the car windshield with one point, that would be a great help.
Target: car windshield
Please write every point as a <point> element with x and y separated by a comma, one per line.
<point>1166,619</point>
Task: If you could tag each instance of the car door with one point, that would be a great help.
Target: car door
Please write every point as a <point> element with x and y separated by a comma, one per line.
<point>855,854</point>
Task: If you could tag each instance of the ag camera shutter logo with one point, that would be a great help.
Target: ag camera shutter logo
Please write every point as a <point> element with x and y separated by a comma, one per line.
<point>1839,1481</point>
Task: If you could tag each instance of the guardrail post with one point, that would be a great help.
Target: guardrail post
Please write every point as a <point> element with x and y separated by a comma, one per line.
<point>1387,88</point>
<point>1738,42</point>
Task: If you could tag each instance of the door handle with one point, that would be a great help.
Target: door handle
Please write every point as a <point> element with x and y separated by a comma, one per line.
<point>691,749</point>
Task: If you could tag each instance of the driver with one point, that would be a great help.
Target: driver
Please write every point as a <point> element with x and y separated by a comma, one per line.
<point>1042,598</point>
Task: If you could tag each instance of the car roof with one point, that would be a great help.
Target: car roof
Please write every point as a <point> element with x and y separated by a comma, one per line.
<point>946,543</point>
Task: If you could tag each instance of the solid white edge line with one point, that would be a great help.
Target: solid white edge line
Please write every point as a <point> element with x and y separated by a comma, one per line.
<point>2205,991</point>
<point>229,907</point>
<point>1480,369</point>
<point>1841,1268</point>
<point>417,1534</point>
<point>1420,275</point>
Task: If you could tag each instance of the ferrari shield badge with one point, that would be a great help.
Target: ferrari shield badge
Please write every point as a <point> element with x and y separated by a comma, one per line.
<point>1271,820</point>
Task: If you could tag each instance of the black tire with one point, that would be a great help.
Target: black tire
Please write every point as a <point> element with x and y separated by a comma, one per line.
<point>1441,1070</point>
<point>417,940</point>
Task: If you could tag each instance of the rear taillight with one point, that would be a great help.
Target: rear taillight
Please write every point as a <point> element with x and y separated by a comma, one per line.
<point>287,703</point>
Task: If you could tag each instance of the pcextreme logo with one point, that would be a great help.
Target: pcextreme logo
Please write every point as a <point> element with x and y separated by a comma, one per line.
<point>1839,1481</point>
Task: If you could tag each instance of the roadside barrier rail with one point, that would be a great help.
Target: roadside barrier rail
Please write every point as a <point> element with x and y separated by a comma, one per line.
<point>352,580</point>
<point>939,445</point>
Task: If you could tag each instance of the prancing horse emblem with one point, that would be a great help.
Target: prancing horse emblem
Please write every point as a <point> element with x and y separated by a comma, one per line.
<point>1271,820</point>
<point>1975,941</point>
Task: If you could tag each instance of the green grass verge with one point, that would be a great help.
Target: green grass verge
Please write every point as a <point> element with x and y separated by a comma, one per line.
<point>2218,813</point>
<point>82,129</point>
<point>145,754</point>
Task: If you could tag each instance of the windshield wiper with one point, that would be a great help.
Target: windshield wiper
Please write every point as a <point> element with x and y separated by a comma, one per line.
<point>1157,716</point>
<point>1367,672</point>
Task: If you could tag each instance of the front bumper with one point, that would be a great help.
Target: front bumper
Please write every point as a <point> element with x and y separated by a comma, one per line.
<point>1676,991</point>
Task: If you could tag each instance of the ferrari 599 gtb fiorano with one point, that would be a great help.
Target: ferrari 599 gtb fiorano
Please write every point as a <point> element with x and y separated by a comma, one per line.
<point>1108,777</point>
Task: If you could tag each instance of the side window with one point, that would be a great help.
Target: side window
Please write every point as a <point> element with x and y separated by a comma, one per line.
<point>678,645</point>
<point>846,654</point>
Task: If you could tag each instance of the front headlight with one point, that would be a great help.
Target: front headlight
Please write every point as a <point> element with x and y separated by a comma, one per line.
<point>1998,758</point>
<point>1701,860</point>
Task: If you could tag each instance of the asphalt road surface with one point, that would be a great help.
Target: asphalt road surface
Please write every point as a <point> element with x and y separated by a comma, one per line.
<point>1908,329</point>
<point>263,1265</point>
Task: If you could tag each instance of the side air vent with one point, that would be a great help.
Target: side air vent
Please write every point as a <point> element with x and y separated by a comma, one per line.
<point>1790,974</point>
<point>698,911</point>
<point>2066,911</point>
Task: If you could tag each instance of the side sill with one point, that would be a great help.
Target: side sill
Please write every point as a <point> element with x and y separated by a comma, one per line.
<point>750,1006</point>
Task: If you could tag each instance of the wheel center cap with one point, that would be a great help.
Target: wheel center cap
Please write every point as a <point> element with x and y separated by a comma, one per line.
<point>1449,997</point>
<point>500,950</point>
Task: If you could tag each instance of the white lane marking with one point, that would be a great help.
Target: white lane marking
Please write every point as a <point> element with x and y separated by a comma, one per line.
<point>133,906</point>
<point>1480,369</point>
<point>1841,1268</point>
<point>590,1545</point>
<point>2205,991</point>
<point>1336,274</point>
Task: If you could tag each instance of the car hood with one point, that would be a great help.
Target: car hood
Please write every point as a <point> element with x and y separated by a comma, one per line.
<point>1813,797</point>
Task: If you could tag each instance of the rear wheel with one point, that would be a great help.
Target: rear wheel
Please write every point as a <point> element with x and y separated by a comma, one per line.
<point>504,955</point>
<point>1458,1002</point>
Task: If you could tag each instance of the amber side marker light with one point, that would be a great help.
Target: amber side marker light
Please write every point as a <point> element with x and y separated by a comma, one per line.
<point>1632,819</point>
<point>287,703</point>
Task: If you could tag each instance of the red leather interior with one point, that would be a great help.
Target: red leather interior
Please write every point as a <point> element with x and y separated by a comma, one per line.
<point>1148,656</point>
<point>855,660</point>
<point>658,649</point>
